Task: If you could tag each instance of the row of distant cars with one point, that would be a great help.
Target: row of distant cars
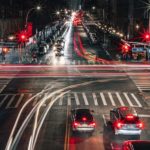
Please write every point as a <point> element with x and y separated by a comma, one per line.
<point>123,120</point>
<point>91,33</point>
<point>58,47</point>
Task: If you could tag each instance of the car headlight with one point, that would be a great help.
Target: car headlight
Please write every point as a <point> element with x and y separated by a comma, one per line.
<point>54,48</point>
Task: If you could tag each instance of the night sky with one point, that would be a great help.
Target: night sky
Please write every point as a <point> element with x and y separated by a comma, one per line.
<point>19,8</point>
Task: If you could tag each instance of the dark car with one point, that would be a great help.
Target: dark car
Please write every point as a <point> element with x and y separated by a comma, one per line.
<point>82,120</point>
<point>136,145</point>
<point>125,121</point>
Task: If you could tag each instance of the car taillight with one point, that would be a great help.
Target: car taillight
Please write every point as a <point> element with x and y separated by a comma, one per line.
<point>75,124</point>
<point>140,125</point>
<point>84,119</point>
<point>93,124</point>
<point>118,124</point>
<point>129,117</point>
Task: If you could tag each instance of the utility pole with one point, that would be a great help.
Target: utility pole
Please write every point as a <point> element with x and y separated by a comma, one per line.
<point>114,11</point>
<point>149,21</point>
<point>130,27</point>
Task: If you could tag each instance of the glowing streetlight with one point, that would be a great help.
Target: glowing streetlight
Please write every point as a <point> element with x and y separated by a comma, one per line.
<point>29,11</point>
<point>58,13</point>
<point>93,7</point>
<point>38,7</point>
<point>137,27</point>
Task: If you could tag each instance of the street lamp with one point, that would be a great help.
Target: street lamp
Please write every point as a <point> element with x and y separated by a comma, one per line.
<point>29,11</point>
<point>93,7</point>
<point>58,13</point>
<point>137,27</point>
<point>147,11</point>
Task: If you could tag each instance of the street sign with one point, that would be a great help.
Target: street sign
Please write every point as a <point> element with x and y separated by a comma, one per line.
<point>137,49</point>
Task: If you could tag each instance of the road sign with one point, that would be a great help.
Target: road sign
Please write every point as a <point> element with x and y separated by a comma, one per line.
<point>137,49</point>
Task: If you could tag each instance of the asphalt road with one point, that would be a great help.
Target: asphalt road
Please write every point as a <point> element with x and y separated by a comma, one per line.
<point>88,85</point>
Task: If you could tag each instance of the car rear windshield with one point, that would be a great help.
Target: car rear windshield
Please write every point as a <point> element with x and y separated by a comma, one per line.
<point>128,111</point>
<point>86,114</point>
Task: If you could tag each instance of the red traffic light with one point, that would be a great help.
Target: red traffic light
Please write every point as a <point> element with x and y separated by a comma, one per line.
<point>125,48</point>
<point>147,36</point>
<point>22,36</point>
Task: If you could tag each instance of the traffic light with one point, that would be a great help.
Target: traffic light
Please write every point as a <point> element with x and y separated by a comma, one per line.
<point>22,36</point>
<point>125,48</point>
<point>5,50</point>
<point>147,36</point>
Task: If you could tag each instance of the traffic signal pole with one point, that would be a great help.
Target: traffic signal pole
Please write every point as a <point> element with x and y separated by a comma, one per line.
<point>19,52</point>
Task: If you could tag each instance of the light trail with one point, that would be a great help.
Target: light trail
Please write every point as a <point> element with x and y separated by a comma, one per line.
<point>37,131</point>
<point>62,66</point>
<point>12,141</point>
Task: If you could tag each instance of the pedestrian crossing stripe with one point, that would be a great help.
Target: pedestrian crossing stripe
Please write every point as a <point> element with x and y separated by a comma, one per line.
<point>143,84</point>
<point>3,84</point>
<point>8,101</point>
<point>111,99</point>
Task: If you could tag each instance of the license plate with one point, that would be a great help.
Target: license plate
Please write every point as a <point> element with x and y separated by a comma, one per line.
<point>84,125</point>
<point>130,126</point>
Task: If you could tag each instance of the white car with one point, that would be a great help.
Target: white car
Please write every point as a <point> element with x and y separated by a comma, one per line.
<point>125,122</point>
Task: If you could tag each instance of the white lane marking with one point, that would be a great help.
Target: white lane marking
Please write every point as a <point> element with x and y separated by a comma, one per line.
<point>3,87</point>
<point>19,100</point>
<point>10,102</point>
<point>76,98</point>
<point>103,98</point>
<point>85,99</point>
<point>144,115</point>
<point>137,101</point>
<point>45,95</point>
<point>3,101</point>
<point>143,84</point>
<point>36,100</point>
<point>111,99</point>
<point>145,89</point>
<point>61,101</point>
<point>120,99</point>
<point>69,99</point>
<point>95,99</point>
<point>128,99</point>
<point>104,120</point>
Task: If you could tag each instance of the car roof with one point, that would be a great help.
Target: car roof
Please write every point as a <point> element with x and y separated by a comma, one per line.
<point>124,111</point>
<point>80,113</point>
<point>83,110</point>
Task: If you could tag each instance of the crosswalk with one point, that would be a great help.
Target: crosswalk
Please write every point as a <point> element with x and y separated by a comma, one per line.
<point>97,98</point>
<point>3,84</point>
<point>142,83</point>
